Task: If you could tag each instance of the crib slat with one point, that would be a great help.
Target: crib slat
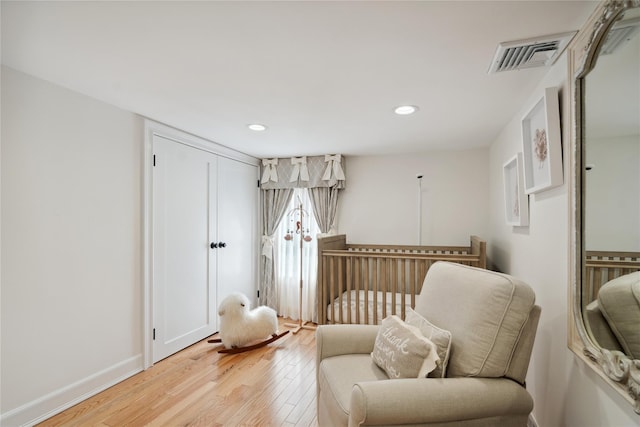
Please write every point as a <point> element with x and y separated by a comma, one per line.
<point>611,272</point>
<point>366,286</point>
<point>597,280</point>
<point>357,266</point>
<point>341,287</point>
<point>332,284</point>
<point>403,289</point>
<point>413,281</point>
<point>375,290</point>
<point>394,284</point>
<point>348,262</point>
<point>322,310</point>
<point>384,283</point>
<point>589,293</point>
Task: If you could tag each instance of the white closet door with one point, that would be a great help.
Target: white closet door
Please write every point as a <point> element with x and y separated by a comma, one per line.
<point>184,218</point>
<point>237,227</point>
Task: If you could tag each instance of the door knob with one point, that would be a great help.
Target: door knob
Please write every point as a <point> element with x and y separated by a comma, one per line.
<point>222,245</point>
<point>214,245</point>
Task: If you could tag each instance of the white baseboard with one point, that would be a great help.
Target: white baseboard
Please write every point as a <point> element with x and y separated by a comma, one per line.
<point>57,401</point>
<point>531,422</point>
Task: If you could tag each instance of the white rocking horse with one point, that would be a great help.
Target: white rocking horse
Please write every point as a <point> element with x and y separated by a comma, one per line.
<point>239,325</point>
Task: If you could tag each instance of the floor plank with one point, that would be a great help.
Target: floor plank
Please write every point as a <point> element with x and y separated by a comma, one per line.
<point>273,385</point>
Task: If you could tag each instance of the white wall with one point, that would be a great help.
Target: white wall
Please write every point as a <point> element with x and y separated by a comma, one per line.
<point>565,392</point>
<point>612,200</point>
<point>71,246</point>
<point>380,204</point>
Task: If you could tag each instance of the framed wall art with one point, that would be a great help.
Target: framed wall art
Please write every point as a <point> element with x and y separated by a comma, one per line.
<point>541,147</point>
<point>516,201</point>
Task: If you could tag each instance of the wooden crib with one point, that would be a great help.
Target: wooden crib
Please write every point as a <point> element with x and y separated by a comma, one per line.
<point>603,266</point>
<point>363,284</point>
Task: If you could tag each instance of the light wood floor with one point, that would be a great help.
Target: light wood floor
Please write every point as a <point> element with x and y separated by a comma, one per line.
<point>270,386</point>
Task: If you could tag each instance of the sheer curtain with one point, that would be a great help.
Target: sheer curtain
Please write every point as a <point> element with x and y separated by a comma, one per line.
<point>287,259</point>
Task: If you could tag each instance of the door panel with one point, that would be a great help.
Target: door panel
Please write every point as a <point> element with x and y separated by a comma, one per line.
<point>237,227</point>
<point>184,206</point>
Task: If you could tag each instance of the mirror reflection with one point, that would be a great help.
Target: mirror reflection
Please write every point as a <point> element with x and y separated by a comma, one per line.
<point>611,286</point>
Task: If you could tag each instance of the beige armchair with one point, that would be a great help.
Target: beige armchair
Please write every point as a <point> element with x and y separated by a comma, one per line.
<point>492,318</point>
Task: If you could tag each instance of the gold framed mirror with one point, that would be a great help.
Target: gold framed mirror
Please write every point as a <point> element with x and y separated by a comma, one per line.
<point>604,65</point>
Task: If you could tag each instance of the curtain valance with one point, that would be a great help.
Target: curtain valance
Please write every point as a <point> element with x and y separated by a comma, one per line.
<point>303,172</point>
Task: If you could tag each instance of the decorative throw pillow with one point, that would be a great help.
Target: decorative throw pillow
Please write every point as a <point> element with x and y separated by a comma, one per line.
<point>440,337</point>
<point>401,350</point>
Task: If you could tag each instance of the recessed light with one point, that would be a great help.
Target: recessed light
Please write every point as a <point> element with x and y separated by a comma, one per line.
<point>257,127</point>
<point>404,110</point>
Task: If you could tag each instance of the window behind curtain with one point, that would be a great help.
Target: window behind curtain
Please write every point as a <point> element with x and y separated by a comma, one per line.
<point>287,260</point>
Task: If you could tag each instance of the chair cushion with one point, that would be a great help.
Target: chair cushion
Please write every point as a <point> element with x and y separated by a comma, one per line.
<point>599,328</point>
<point>619,301</point>
<point>336,377</point>
<point>440,337</point>
<point>485,312</point>
<point>402,351</point>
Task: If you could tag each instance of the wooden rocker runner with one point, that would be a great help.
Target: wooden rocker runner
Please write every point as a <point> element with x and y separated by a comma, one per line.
<point>235,350</point>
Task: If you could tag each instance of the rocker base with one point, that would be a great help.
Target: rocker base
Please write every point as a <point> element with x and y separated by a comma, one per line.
<point>235,350</point>
<point>300,325</point>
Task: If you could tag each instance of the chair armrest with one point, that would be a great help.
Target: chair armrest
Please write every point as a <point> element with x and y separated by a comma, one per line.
<point>436,400</point>
<point>335,340</point>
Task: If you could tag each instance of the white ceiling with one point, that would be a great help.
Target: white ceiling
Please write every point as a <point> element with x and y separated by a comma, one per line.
<point>324,76</point>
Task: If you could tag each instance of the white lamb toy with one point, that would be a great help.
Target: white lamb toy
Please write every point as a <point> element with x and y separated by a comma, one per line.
<point>239,325</point>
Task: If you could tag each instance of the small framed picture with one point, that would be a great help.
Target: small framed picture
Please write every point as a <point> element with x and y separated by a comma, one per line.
<point>516,202</point>
<point>541,147</point>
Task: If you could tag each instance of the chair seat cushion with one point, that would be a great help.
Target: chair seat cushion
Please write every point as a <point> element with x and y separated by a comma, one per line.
<point>336,377</point>
<point>599,329</point>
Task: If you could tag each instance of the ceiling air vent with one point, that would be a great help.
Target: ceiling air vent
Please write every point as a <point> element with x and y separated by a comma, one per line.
<point>620,34</point>
<point>530,53</point>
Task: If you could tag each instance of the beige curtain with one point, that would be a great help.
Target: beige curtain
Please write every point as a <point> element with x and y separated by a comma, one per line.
<point>274,207</point>
<point>324,201</point>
